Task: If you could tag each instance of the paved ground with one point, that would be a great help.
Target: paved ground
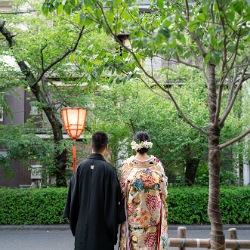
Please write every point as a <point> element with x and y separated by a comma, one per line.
<point>60,238</point>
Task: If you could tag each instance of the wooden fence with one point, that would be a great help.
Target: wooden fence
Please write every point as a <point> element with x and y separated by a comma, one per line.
<point>182,242</point>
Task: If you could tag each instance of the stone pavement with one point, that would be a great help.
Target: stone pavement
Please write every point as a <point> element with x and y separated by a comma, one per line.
<point>59,237</point>
<point>66,227</point>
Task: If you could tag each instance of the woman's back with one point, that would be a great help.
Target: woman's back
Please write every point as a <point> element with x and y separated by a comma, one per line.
<point>143,187</point>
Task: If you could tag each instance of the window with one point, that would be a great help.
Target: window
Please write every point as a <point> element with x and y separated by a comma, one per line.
<point>34,110</point>
<point>5,6</point>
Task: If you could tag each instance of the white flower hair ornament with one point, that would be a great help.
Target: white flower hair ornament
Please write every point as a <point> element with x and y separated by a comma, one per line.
<point>142,144</point>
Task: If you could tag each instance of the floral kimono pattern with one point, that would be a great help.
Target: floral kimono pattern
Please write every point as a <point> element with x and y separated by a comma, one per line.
<point>144,186</point>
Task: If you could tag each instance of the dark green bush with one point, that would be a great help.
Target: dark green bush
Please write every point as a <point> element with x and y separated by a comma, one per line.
<point>235,205</point>
<point>186,205</point>
<point>189,205</point>
<point>32,206</point>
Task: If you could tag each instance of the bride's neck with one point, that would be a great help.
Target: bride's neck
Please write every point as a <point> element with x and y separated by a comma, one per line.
<point>141,156</point>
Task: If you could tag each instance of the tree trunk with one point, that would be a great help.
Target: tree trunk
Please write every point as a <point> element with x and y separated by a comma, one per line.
<point>217,237</point>
<point>241,162</point>
<point>61,156</point>
<point>60,170</point>
<point>191,168</point>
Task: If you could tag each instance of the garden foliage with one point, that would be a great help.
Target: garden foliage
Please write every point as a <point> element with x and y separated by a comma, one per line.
<point>186,205</point>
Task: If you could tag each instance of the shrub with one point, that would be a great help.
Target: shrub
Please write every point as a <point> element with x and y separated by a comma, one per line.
<point>189,205</point>
<point>32,206</point>
<point>186,205</point>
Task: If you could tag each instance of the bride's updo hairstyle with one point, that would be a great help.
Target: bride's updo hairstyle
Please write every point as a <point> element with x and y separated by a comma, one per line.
<point>140,136</point>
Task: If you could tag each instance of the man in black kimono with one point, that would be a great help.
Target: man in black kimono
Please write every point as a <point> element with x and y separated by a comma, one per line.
<point>94,204</point>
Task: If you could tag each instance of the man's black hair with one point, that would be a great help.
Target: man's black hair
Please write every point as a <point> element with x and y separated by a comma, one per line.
<point>99,141</point>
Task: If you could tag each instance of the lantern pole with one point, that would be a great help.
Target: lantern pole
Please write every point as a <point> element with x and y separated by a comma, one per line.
<point>74,155</point>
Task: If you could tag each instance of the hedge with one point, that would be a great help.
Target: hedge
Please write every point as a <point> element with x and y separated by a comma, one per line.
<point>189,205</point>
<point>186,205</point>
<point>28,206</point>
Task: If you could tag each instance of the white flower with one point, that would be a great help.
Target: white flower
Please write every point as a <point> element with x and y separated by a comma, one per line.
<point>142,144</point>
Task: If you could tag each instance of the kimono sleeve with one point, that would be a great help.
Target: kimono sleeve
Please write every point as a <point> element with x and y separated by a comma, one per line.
<point>113,207</point>
<point>72,204</point>
<point>121,205</point>
<point>125,170</point>
<point>164,183</point>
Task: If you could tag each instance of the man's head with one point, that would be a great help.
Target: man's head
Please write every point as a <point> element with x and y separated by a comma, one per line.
<point>99,142</point>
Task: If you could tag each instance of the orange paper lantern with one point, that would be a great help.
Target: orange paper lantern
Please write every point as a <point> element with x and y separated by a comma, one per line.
<point>74,120</point>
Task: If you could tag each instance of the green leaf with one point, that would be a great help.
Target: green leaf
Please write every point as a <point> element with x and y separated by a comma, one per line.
<point>231,48</point>
<point>89,3</point>
<point>239,6</point>
<point>207,58</point>
<point>45,10</point>
<point>87,21</point>
<point>213,40</point>
<point>165,32</point>
<point>59,9</point>
<point>67,8</point>
<point>201,17</point>
<point>215,57</point>
<point>160,4</point>
<point>192,25</point>
<point>180,49</point>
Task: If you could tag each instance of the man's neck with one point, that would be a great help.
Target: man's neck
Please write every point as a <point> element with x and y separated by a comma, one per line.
<point>100,153</point>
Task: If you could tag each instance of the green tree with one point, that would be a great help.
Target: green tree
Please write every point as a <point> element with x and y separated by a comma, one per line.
<point>122,109</point>
<point>42,48</point>
<point>211,36</point>
<point>24,146</point>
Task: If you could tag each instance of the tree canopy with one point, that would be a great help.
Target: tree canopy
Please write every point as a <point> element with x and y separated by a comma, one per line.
<point>211,36</point>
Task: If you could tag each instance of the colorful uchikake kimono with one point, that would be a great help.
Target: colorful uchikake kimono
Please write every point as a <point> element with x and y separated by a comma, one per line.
<point>144,187</point>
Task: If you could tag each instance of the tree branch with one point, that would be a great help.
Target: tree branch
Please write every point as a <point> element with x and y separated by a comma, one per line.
<point>42,58</point>
<point>184,117</point>
<point>234,56</point>
<point>199,44</point>
<point>23,66</point>
<point>232,89</point>
<point>150,88</point>
<point>187,8</point>
<point>222,23</point>
<point>141,27</point>
<point>231,103</point>
<point>212,12</point>
<point>177,107</point>
<point>218,103</point>
<point>246,77</point>
<point>221,146</point>
<point>223,78</point>
<point>151,77</point>
<point>66,53</point>
<point>178,60</point>
<point>7,34</point>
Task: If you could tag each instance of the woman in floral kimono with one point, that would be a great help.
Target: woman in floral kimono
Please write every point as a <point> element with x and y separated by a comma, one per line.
<point>144,187</point>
